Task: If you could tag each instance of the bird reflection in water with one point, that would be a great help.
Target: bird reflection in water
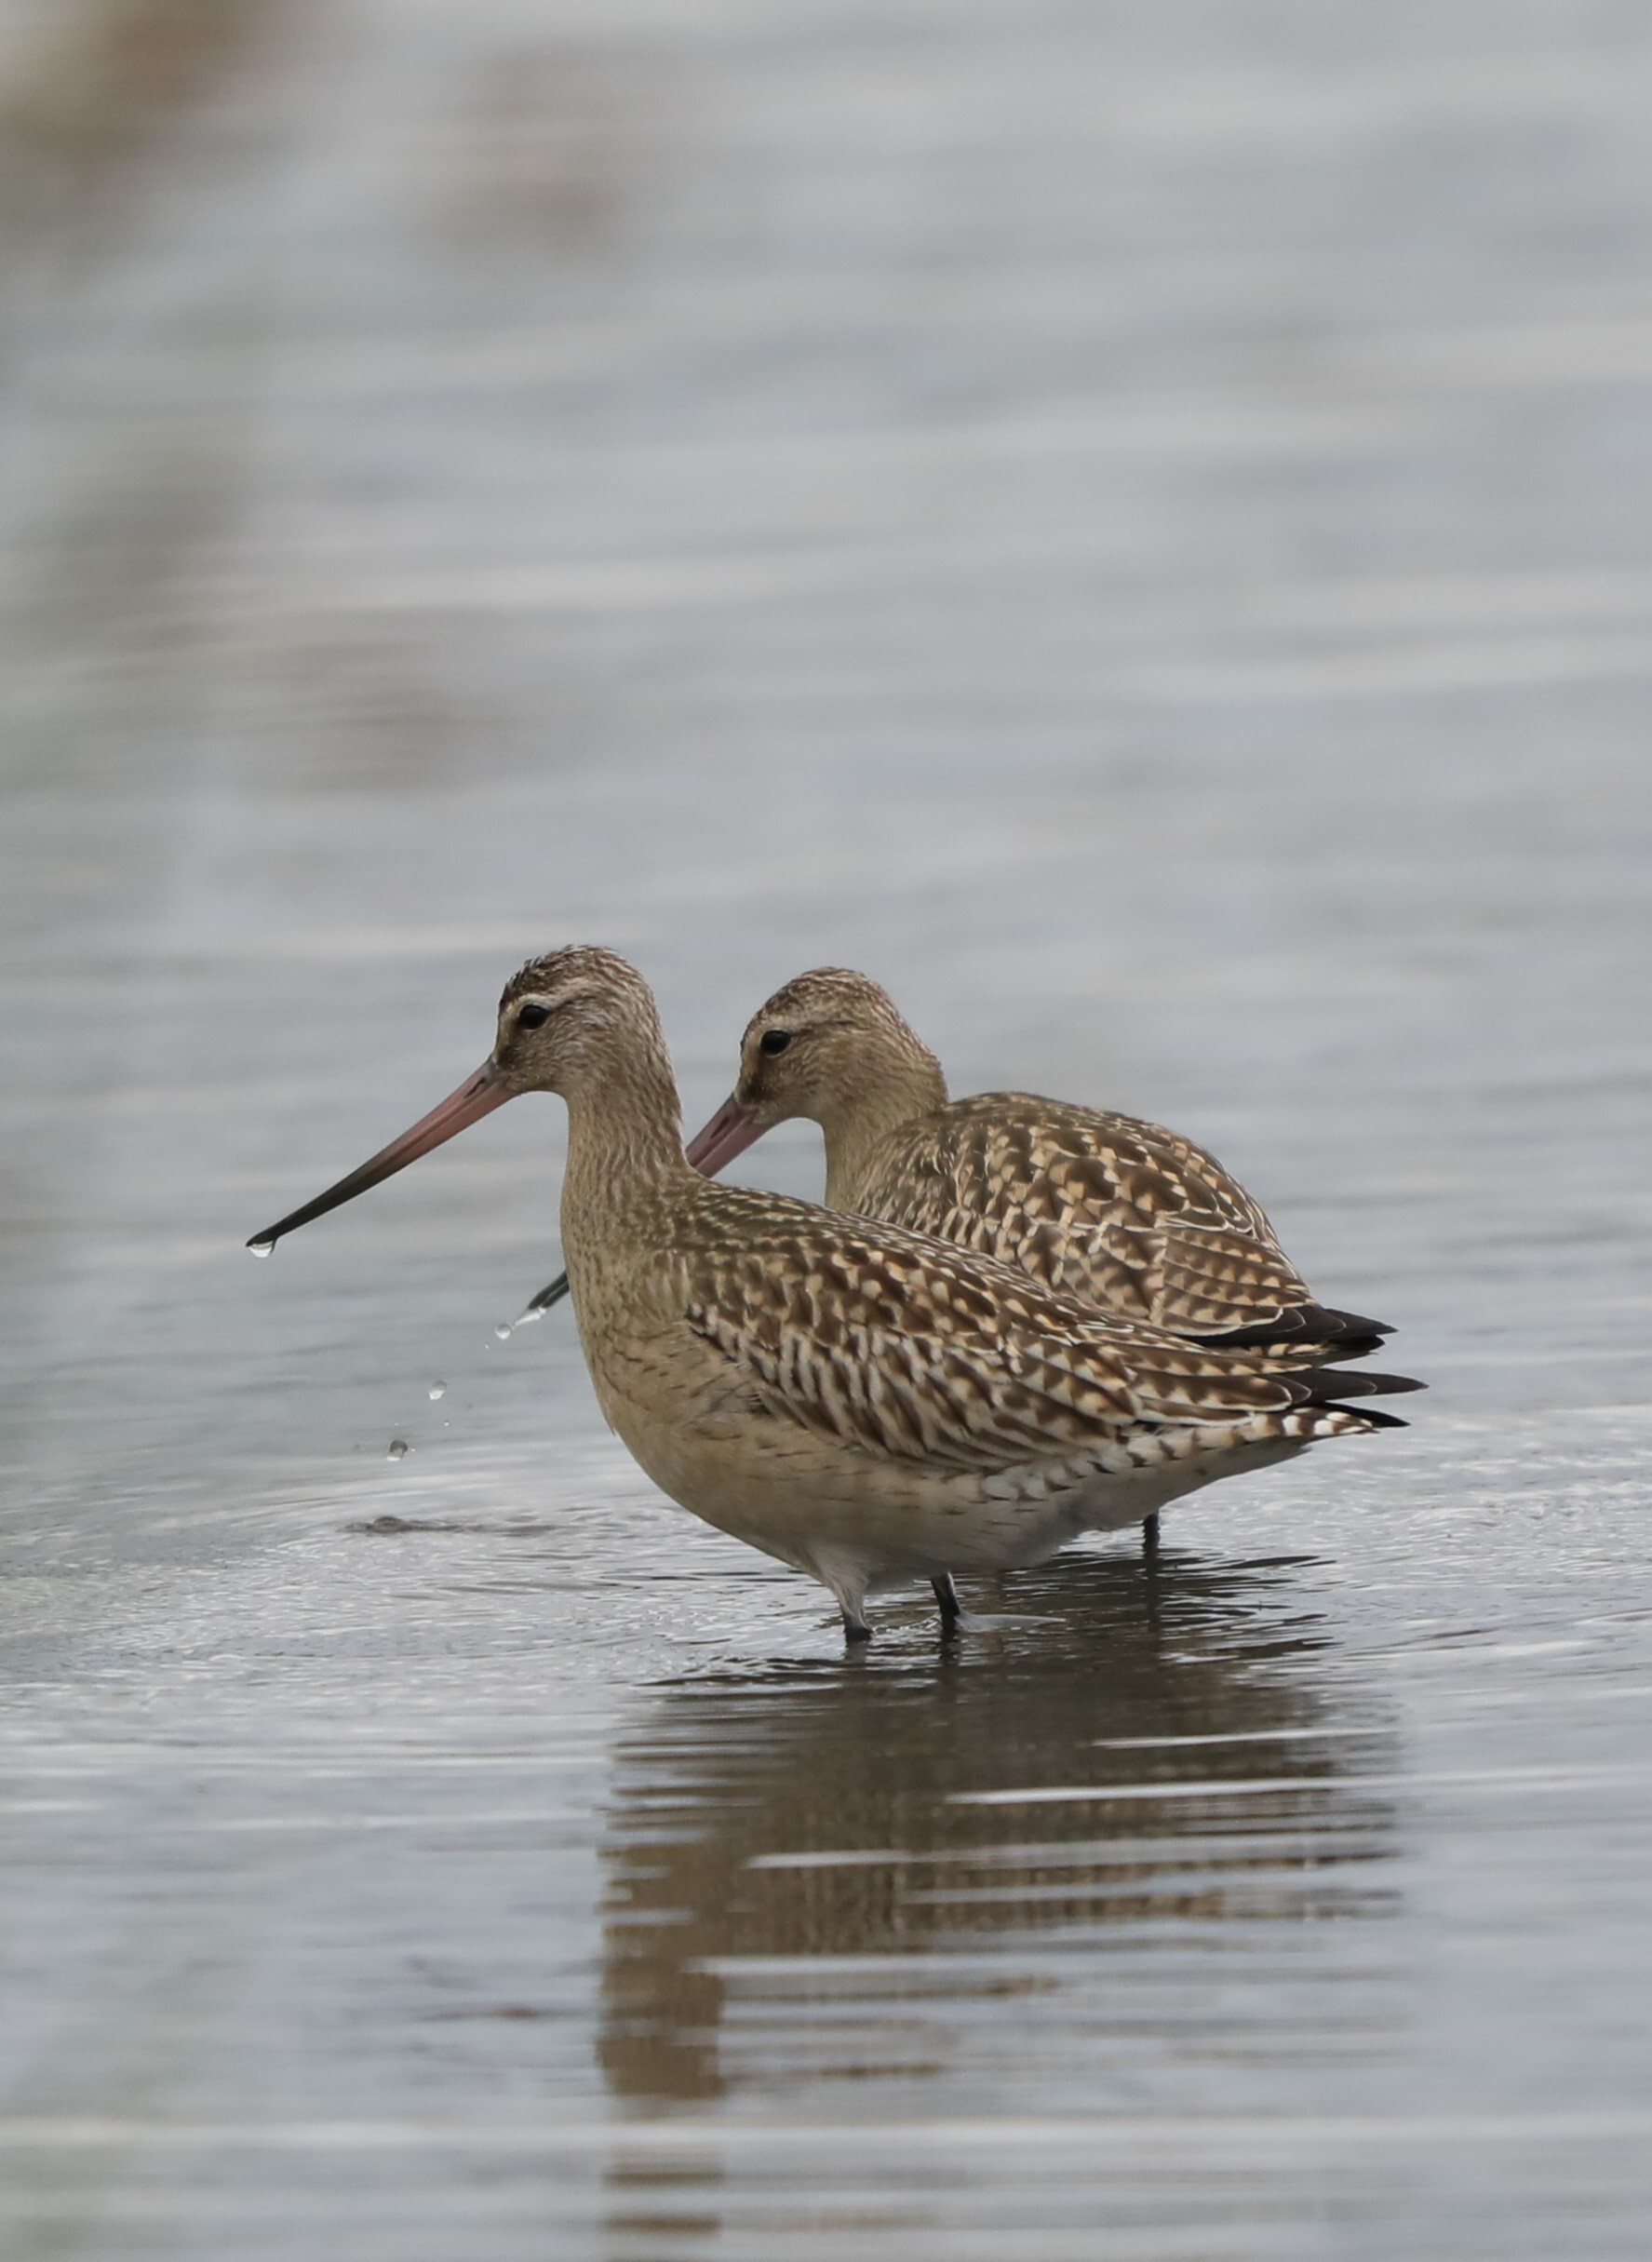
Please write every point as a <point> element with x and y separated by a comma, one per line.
<point>848,1872</point>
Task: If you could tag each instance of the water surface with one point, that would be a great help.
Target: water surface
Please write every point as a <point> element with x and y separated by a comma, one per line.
<point>1128,523</point>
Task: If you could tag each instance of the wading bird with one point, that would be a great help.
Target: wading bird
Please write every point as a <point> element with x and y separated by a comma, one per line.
<point>859,1400</point>
<point>1104,1206</point>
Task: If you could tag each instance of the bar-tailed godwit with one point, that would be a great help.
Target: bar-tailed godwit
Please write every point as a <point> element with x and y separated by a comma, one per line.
<point>861,1401</point>
<point>1104,1206</point>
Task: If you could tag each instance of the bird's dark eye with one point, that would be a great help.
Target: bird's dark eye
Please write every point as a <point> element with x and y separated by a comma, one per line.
<point>534,1016</point>
<point>774,1040</point>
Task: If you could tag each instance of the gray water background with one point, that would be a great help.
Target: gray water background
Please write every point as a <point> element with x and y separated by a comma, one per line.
<point>1130,522</point>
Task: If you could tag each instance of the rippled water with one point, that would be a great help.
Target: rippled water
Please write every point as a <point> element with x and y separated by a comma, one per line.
<point>1128,522</point>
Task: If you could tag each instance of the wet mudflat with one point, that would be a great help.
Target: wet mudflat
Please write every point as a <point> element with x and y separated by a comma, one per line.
<point>1128,523</point>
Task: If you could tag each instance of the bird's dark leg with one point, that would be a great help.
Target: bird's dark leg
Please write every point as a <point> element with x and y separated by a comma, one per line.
<point>951,1609</point>
<point>850,1594</point>
<point>1150,1536</point>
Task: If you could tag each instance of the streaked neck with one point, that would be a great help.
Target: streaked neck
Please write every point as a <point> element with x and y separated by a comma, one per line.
<point>624,1153</point>
<point>858,1129</point>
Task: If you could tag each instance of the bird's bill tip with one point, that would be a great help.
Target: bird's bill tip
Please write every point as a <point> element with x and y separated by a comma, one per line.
<point>545,1300</point>
<point>476,1097</point>
<point>730,1132</point>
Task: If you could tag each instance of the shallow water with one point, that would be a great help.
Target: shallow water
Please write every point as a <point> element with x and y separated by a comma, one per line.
<point>1130,524</point>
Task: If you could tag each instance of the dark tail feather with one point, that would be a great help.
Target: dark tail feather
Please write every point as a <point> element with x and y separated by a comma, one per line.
<point>1327,1386</point>
<point>1345,1335</point>
<point>1373,1417</point>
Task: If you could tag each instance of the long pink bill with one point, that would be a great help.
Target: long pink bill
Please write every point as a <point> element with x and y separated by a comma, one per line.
<point>730,1131</point>
<point>476,1098</point>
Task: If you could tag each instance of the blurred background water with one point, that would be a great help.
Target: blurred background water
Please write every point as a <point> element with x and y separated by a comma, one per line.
<point>1128,521</point>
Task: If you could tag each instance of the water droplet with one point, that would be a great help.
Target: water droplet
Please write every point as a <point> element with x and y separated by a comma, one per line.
<point>399,1449</point>
<point>438,1390</point>
<point>262,1248</point>
<point>502,1332</point>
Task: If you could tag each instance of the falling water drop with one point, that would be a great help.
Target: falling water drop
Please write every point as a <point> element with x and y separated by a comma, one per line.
<point>502,1332</point>
<point>438,1390</point>
<point>399,1449</point>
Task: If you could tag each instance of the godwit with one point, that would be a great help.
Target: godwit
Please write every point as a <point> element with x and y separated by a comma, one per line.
<point>1104,1206</point>
<point>1119,1211</point>
<point>860,1401</point>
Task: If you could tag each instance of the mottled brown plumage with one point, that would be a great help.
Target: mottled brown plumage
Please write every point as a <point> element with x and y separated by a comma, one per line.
<point>1101,1205</point>
<point>850,1397</point>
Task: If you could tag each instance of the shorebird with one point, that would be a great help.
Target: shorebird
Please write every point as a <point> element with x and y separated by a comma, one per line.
<point>1105,1207</point>
<point>860,1401</point>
